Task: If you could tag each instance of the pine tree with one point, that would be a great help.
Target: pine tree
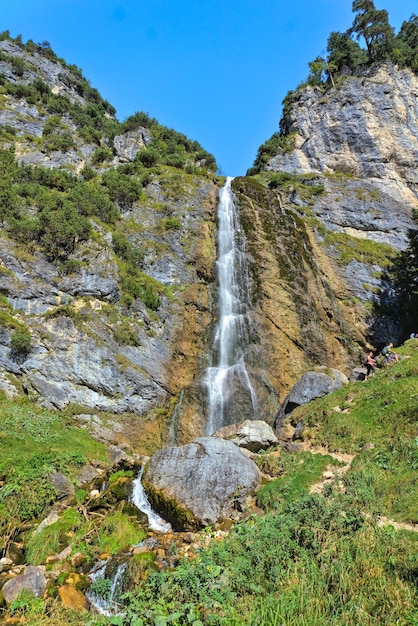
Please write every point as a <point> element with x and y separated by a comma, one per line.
<point>373,25</point>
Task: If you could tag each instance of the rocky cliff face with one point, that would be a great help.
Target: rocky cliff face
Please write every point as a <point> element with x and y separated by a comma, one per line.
<point>115,359</point>
<point>360,143</point>
<point>120,328</point>
<point>366,128</point>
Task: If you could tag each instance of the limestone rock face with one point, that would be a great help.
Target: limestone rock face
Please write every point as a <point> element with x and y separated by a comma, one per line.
<point>359,141</point>
<point>200,483</point>
<point>367,127</point>
<point>301,315</point>
<point>253,435</point>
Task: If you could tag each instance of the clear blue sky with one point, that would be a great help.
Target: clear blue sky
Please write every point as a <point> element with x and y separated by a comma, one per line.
<point>215,70</point>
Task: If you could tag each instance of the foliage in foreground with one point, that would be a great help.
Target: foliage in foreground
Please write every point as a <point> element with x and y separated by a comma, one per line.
<point>310,559</point>
<point>35,443</point>
<point>319,561</point>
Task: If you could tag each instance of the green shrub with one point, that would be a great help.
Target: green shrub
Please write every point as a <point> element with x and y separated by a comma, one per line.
<point>103,153</point>
<point>171,223</point>
<point>147,156</point>
<point>126,250</point>
<point>123,189</point>
<point>21,343</point>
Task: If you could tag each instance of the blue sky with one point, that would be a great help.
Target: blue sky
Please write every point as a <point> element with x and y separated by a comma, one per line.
<point>215,70</point>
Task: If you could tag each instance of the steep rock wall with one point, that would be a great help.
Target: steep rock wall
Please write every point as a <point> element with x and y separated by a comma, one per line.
<point>367,127</point>
<point>360,142</point>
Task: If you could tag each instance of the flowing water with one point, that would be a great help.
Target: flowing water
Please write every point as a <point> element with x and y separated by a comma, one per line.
<point>139,498</point>
<point>228,381</point>
<point>107,603</point>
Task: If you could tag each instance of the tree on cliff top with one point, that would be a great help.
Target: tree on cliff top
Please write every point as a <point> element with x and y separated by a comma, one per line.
<point>406,44</point>
<point>373,25</point>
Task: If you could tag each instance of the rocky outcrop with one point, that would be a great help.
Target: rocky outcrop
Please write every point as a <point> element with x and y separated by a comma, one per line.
<point>359,141</point>
<point>90,350</point>
<point>200,483</point>
<point>300,313</point>
<point>32,582</point>
<point>366,128</point>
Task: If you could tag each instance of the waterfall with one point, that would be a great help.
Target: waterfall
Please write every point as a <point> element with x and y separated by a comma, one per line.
<point>108,602</point>
<point>229,387</point>
<point>139,498</point>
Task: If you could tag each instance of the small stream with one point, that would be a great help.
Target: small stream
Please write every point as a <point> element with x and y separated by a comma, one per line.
<point>108,575</point>
<point>139,498</point>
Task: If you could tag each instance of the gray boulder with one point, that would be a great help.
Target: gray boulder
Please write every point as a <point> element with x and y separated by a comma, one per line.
<point>253,435</point>
<point>313,384</point>
<point>200,483</point>
<point>33,581</point>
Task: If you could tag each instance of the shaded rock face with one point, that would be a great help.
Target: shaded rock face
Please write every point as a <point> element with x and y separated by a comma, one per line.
<point>300,307</point>
<point>367,127</point>
<point>313,384</point>
<point>200,483</point>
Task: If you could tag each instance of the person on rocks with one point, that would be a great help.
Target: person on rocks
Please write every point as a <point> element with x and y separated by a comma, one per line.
<point>389,354</point>
<point>370,364</point>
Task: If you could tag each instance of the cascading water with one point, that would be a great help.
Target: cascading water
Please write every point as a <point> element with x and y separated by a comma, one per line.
<point>139,498</point>
<point>108,603</point>
<point>228,382</point>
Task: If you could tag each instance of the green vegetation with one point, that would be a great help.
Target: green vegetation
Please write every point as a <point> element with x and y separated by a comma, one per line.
<point>298,472</point>
<point>277,144</point>
<point>311,558</point>
<point>20,342</point>
<point>33,444</point>
<point>363,250</point>
<point>306,185</point>
<point>372,26</point>
<point>404,276</point>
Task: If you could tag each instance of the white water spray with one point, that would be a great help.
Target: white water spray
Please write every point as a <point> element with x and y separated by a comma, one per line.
<point>229,377</point>
<point>108,605</point>
<point>139,498</point>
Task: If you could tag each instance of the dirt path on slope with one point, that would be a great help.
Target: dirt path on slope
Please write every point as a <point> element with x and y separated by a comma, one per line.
<point>336,473</point>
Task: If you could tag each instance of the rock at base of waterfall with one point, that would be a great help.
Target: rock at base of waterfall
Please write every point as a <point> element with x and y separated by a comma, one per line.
<point>253,435</point>
<point>313,384</point>
<point>201,483</point>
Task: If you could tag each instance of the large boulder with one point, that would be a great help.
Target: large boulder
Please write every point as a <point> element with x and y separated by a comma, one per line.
<point>313,384</point>
<point>253,435</point>
<point>200,483</point>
